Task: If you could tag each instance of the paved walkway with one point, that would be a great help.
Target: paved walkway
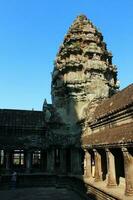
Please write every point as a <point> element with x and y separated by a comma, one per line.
<point>39,194</point>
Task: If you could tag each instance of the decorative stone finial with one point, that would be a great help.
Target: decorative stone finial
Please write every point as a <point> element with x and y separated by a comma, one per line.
<point>81,17</point>
<point>44,105</point>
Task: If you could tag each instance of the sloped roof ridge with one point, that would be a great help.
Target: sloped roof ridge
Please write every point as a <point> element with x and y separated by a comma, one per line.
<point>116,102</point>
<point>115,135</point>
<point>18,118</point>
<point>21,110</point>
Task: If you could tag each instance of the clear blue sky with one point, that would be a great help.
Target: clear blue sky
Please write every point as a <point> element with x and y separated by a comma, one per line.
<point>31,32</point>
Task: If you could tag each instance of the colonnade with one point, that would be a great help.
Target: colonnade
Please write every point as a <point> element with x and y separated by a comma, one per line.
<point>64,161</point>
<point>23,160</point>
<point>51,160</point>
<point>110,164</point>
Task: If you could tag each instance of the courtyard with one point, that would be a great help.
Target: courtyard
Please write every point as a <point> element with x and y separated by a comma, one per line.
<point>50,193</point>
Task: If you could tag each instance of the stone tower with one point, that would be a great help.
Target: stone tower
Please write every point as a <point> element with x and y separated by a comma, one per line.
<point>83,71</point>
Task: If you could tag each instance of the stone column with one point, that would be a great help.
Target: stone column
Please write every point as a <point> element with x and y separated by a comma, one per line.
<point>128,168</point>
<point>87,164</point>
<point>0,158</point>
<point>63,161</point>
<point>28,161</point>
<point>111,169</point>
<point>98,167</point>
<point>50,161</point>
<point>76,161</point>
<point>7,158</point>
<point>43,160</point>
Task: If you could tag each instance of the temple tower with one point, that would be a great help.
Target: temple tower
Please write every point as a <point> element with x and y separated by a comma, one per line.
<point>83,71</point>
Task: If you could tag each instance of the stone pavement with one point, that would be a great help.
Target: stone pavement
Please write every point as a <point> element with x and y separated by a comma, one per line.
<point>50,193</point>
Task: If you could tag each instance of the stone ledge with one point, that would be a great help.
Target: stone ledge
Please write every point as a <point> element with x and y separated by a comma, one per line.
<point>116,193</point>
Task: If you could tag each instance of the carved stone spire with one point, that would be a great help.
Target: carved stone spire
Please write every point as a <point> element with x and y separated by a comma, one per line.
<point>44,105</point>
<point>83,68</point>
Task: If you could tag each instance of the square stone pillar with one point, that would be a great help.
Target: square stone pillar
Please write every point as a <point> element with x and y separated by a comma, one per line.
<point>43,160</point>
<point>128,168</point>
<point>87,165</point>
<point>63,161</point>
<point>98,166</point>
<point>8,160</point>
<point>50,160</point>
<point>111,182</point>
<point>28,161</point>
<point>76,164</point>
<point>0,158</point>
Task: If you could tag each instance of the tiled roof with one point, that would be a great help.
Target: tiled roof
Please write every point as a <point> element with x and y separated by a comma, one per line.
<point>21,118</point>
<point>115,103</point>
<point>120,134</point>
